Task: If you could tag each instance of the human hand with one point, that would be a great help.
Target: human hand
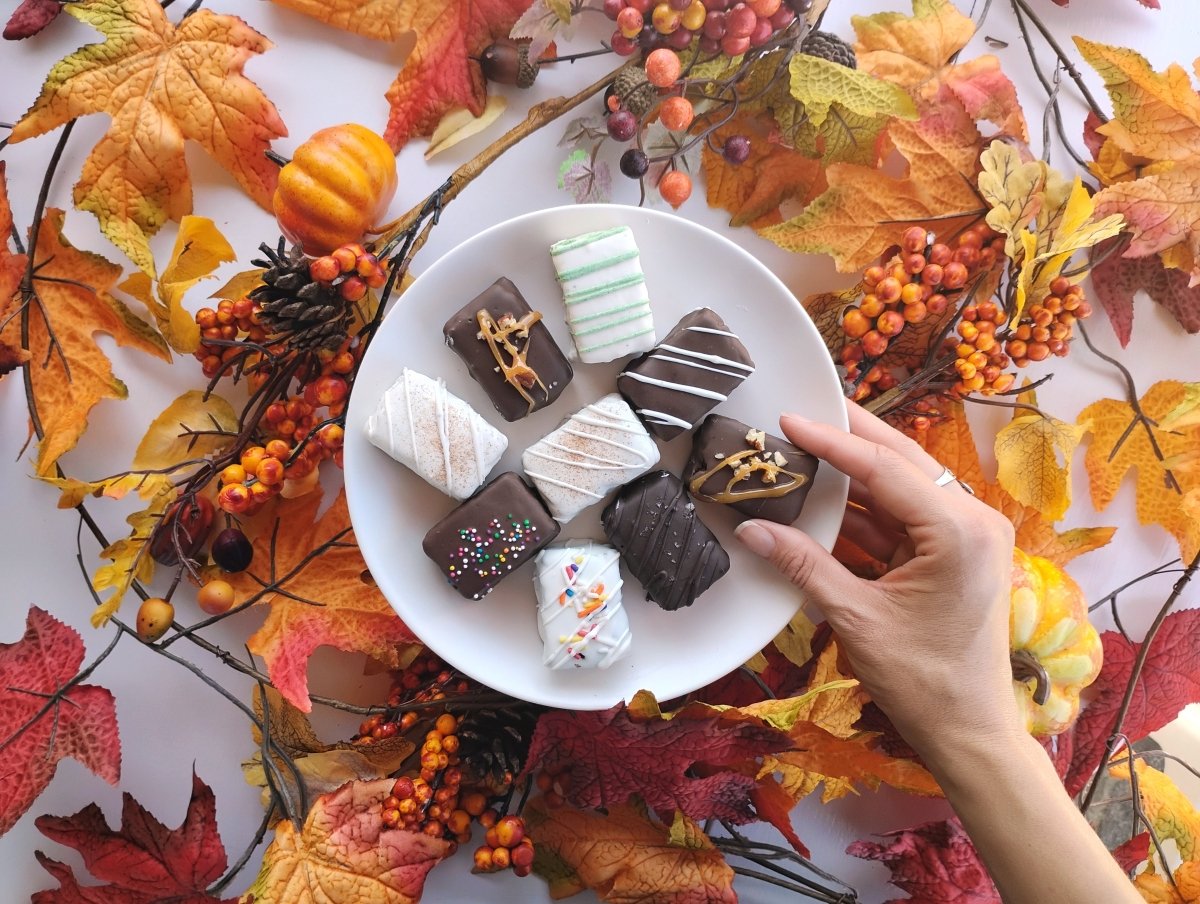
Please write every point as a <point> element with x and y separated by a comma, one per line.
<point>929,639</point>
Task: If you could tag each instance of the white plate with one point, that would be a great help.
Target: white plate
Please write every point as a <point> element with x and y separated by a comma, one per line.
<point>495,640</point>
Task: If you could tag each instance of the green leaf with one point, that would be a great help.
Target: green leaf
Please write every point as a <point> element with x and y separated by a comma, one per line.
<point>818,84</point>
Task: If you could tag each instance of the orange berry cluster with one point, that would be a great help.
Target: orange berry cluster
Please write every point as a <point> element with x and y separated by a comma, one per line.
<point>351,269</point>
<point>979,359</point>
<point>919,281</point>
<point>230,321</point>
<point>426,679</point>
<point>429,803</point>
<point>257,478</point>
<point>1045,329</point>
<point>505,845</point>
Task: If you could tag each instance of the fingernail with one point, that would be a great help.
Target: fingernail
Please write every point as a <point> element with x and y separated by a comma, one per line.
<point>755,538</point>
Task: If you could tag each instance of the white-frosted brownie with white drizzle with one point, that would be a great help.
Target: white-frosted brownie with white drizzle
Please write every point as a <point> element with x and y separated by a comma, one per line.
<point>604,289</point>
<point>581,620</point>
<point>596,450</point>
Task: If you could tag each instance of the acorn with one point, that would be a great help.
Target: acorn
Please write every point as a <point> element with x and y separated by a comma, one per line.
<point>637,95</point>
<point>507,63</point>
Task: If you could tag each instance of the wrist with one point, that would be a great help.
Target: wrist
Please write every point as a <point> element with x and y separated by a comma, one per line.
<point>960,761</point>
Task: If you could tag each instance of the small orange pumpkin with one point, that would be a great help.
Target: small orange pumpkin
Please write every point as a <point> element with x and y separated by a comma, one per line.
<point>336,188</point>
<point>1056,652</point>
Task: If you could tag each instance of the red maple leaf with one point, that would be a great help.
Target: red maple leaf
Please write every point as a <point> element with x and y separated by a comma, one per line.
<point>608,756</point>
<point>1117,279</point>
<point>31,17</point>
<point>42,720</point>
<point>144,862</point>
<point>935,863</point>
<point>1169,681</point>
<point>1133,853</point>
<point>440,73</point>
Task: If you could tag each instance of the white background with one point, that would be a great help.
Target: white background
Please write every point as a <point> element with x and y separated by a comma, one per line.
<point>171,722</point>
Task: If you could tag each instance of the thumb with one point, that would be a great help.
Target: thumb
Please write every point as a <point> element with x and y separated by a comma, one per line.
<point>803,561</point>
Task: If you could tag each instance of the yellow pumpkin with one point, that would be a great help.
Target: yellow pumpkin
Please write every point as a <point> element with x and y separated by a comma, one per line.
<point>1056,652</point>
<point>336,188</point>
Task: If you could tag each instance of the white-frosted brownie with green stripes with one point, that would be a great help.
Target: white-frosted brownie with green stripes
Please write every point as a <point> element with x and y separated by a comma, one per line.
<point>604,289</point>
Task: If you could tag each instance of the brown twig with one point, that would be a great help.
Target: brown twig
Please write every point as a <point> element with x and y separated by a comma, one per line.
<point>1067,63</point>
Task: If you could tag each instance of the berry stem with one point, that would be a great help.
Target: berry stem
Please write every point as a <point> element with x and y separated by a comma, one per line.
<point>572,57</point>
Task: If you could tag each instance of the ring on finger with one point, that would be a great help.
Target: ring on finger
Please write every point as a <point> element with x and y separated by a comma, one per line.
<point>947,477</point>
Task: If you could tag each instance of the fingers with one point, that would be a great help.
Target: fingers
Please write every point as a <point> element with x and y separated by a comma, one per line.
<point>899,486</point>
<point>864,530</point>
<point>802,561</point>
<point>861,497</point>
<point>871,428</point>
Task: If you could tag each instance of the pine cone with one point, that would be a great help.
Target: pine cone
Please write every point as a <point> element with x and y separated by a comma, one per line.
<point>829,47</point>
<point>305,314</point>
<point>493,742</point>
<point>635,93</point>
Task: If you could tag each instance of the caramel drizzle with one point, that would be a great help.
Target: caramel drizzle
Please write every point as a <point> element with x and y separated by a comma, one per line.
<point>744,465</point>
<point>499,334</point>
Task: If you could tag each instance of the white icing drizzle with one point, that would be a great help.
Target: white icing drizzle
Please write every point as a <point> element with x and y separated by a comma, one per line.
<point>701,356</point>
<point>571,580</point>
<point>661,417</point>
<point>678,387</point>
<point>715,332</point>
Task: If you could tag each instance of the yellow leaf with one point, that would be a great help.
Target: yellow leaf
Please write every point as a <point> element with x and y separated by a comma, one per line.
<point>909,50</point>
<point>129,556</point>
<point>818,83</point>
<point>1034,457</point>
<point>377,19</point>
<point>460,124</point>
<point>795,640</point>
<point>75,491</point>
<point>1187,412</point>
<point>240,285</point>
<point>199,249</point>
<point>1167,808</point>
<point>167,442</point>
<point>1027,256</point>
<point>1013,189</point>
<point>161,84</point>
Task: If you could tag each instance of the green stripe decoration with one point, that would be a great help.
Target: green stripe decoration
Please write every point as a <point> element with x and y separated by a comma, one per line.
<point>592,348</point>
<point>598,265</point>
<point>586,239</point>
<point>634,279</point>
<point>643,303</point>
<point>607,326</point>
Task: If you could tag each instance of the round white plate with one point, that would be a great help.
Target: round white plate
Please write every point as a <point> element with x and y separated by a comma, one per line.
<point>495,640</point>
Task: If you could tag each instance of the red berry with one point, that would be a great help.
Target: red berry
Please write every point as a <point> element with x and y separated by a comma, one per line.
<point>622,125</point>
<point>675,188</point>
<point>741,21</point>
<point>735,45</point>
<point>630,22</point>
<point>622,46</point>
<point>676,113</point>
<point>612,8</point>
<point>914,239</point>
<point>874,344</point>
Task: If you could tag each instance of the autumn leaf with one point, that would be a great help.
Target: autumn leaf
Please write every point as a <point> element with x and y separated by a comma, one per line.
<point>12,268</point>
<point>439,74</point>
<point>30,17</point>
<point>1164,805</point>
<point>171,437</point>
<point>162,84</point>
<point>1033,454</point>
<point>626,858</point>
<point>1169,681</point>
<point>613,754</point>
<point>144,862</point>
<point>74,298</point>
<point>586,179</point>
<point>935,863</point>
<point>543,22</point>
<point>1116,280</point>
<point>1133,852</point>
<point>460,124</point>
<point>343,852</point>
<point>323,767</point>
<point>378,19</point>
<point>1162,212</point>
<point>949,440</point>
<point>1121,441</point>
<point>818,84</point>
<point>1156,116</point>
<point>323,597</point>
<point>42,719</point>
<point>199,249</point>
<point>753,190</point>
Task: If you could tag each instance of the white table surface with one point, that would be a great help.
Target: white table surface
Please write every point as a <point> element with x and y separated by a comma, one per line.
<point>171,722</point>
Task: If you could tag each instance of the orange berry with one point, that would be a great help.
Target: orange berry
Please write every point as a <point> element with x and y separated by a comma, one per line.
<point>855,324</point>
<point>871,306</point>
<point>663,67</point>
<point>665,19</point>
<point>888,290</point>
<point>270,472</point>
<point>872,276</point>
<point>675,188</point>
<point>874,343</point>
<point>446,724</point>
<point>510,830</point>
<point>1060,285</point>
<point>915,313</point>
<point>330,390</point>
<point>932,274</point>
<point>913,239</point>
<point>914,263</point>
<point>913,293</point>
<point>216,597</point>
<point>940,254</point>
<point>234,498</point>
<point>233,474</point>
<point>676,113</point>
<point>277,449</point>
<point>354,288</point>
<point>154,617</point>
<point>501,858</point>
<point>1003,382</point>
<point>890,323</point>
<point>483,861</point>
<point>954,276</point>
<point>488,818</point>
<point>260,492</point>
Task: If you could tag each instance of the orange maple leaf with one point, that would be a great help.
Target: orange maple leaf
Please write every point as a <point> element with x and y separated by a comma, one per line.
<point>12,266</point>
<point>323,595</point>
<point>343,852</point>
<point>951,443</point>
<point>440,73</point>
<point>626,858</point>
<point>753,190</point>
<point>161,84</point>
<point>1121,440</point>
<point>378,19</point>
<point>70,372</point>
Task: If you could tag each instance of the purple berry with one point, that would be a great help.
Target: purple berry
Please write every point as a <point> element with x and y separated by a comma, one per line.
<point>801,7</point>
<point>737,149</point>
<point>622,125</point>
<point>634,163</point>
<point>232,550</point>
<point>680,39</point>
<point>714,26</point>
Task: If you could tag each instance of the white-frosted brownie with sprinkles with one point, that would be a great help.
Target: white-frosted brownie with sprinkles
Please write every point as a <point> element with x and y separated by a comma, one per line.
<point>604,289</point>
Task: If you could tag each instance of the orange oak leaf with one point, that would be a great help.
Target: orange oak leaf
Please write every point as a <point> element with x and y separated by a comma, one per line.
<point>440,73</point>
<point>951,443</point>
<point>1121,441</point>
<point>63,321</point>
<point>162,84</point>
<point>753,190</point>
<point>626,858</point>
<point>343,852</point>
<point>144,862</point>
<point>378,19</point>
<point>1116,280</point>
<point>42,719</point>
<point>12,266</point>
<point>322,595</point>
<point>1156,116</point>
